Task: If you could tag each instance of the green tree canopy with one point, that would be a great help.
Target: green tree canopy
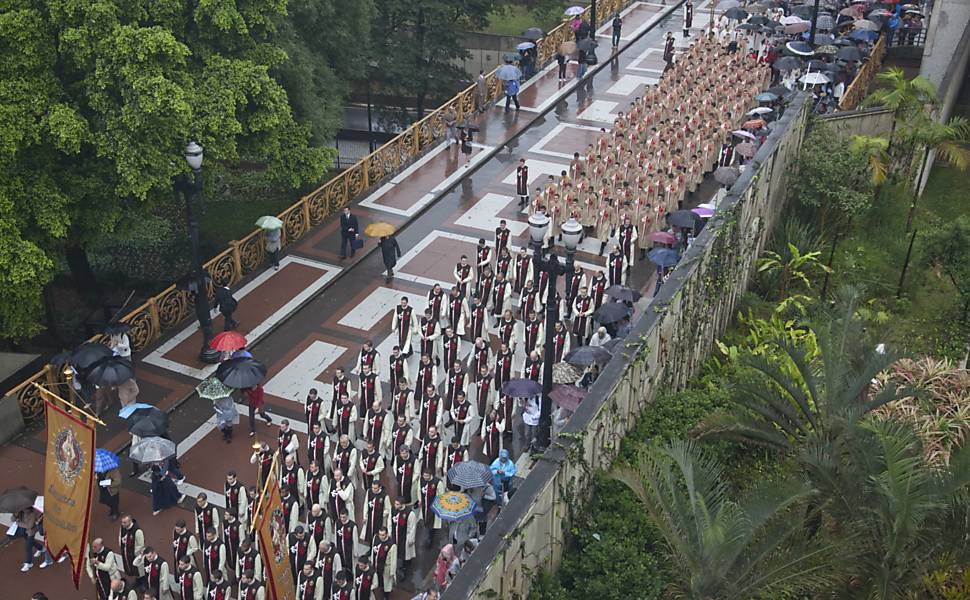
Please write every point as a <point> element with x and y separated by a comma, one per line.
<point>947,248</point>
<point>97,101</point>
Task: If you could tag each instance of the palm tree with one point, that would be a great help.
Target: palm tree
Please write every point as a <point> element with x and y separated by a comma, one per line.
<point>914,514</point>
<point>905,97</point>
<point>791,269</point>
<point>720,548</point>
<point>875,149</point>
<point>789,402</point>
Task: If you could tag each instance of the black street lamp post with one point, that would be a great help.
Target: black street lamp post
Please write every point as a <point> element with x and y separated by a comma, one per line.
<point>592,19</point>
<point>372,66</point>
<point>811,36</point>
<point>571,232</point>
<point>193,156</point>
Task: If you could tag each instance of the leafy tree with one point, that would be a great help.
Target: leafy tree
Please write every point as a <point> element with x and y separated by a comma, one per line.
<point>417,47</point>
<point>98,100</point>
<point>832,185</point>
<point>724,548</point>
<point>946,248</point>
<point>793,271</point>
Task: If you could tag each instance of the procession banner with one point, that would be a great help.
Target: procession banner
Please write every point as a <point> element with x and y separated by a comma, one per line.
<point>68,484</point>
<point>271,529</point>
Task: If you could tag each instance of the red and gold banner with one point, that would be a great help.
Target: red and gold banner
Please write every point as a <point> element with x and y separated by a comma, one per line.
<point>271,528</point>
<point>68,484</point>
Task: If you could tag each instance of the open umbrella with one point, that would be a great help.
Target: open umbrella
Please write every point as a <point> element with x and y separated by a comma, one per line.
<point>778,91</point>
<point>864,35</point>
<point>148,422</point>
<point>662,237</point>
<point>624,293</point>
<point>584,356</point>
<point>111,371</point>
<point>827,49</point>
<point>799,27</point>
<point>824,39</point>
<point>453,506</point>
<point>152,450</point>
<point>614,312</point>
<point>865,25</point>
<point>213,389</point>
<point>726,175</point>
<point>567,48</point>
<point>89,353</point>
<point>664,257</point>
<point>525,46</point>
<point>104,461</point>
<point>825,22</point>
<point>188,281</point>
<point>815,78</point>
<point>854,11</point>
<point>379,229</point>
<point>127,411</point>
<point>586,45</point>
<point>17,499</point>
<point>116,328</point>
<point>735,14</point>
<point>269,222</point>
<point>848,53</point>
<point>572,11</point>
<point>567,396</point>
<point>745,134</point>
<point>228,341</point>
<point>754,124</point>
<point>565,373</point>
<point>760,110</point>
<point>510,57</point>
<point>748,27</point>
<point>533,34</point>
<point>242,372</point>
<point>746,149</point>
<point>470,474</point>
<point>766,97</point>
<point>521,388</point>
<point>799,48</point>
<point>704,213</point>
<point>759,20</point>
<point>790,19</point>
<point>682,218</point>
<point>508,73</point>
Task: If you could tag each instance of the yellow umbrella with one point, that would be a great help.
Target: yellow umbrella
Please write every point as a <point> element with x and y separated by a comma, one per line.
<point>567,48</point>
<point>379,230</point>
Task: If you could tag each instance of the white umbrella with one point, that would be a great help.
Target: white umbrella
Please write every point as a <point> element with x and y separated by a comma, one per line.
<point>760,110</point>
<point>791,19</point>
<point>572,11</point>
<point>815,78</point>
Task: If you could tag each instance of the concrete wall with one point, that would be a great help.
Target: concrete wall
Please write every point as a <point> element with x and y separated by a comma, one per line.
<point>871,122</point>
<point>666,348</point>
<point>486,51</point>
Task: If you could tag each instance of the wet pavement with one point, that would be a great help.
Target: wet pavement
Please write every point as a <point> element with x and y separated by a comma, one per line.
<point>314,313</point>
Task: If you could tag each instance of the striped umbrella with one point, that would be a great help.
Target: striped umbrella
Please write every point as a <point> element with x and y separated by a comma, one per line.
<point>470,474</point>
<point>104,461</point>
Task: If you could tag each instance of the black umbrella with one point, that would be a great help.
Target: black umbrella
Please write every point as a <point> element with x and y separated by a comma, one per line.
<point>470,474</point>
<point>109,372</point>
<point>726,175</point>
<point>849,53</point>
<point>614,345</point>
<point>748,27</point>
<point>148,422</point>
<point>683,218</point>
<point>89,353</point>
<point>787,63</point>
<point>623,293</point>
<point>116,328</point>
<point>521,388</point>
<point>611,312</point>
<point>533,34</point>
<point>17,499</point>
<point>187,282</point>
<point>60,359</point>
<point>759,20</point>
<point>824,39</point>
<point>587,355</point>
<point>586,45</point>
<point>736,14</point>
<point>242,372</point>
<point>779,90</point>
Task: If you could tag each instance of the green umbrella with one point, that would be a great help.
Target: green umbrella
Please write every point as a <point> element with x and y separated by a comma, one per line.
<point>268,222</point>
<point>213,389</point>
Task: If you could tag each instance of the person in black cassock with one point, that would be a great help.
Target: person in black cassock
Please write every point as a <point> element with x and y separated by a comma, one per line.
<point>227,306</point>
<point>390,252</point>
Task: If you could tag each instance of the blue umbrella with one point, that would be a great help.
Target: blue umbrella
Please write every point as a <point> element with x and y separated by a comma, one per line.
<point>863,35</point>
<point>525,46</point>
<point>663,257</point>
<point>508,73</point>
<point>766,97</point>
<point>104,461</point>
<point>521,388</point>
<point>453,506</point>
<point>126,411</point>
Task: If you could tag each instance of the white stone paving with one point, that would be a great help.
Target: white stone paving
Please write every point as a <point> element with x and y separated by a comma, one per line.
<point>484,215</point>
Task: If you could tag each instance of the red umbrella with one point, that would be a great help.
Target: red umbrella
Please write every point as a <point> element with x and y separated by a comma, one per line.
<point>228,341</point>
<point>663,237</point>
<point>753,124</point>
<point>567,396</point>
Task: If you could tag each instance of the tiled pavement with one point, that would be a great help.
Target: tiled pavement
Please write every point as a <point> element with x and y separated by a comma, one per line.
<point>302,334</point>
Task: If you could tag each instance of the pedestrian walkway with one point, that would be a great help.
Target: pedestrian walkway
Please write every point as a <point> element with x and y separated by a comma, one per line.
<point>314,313</point>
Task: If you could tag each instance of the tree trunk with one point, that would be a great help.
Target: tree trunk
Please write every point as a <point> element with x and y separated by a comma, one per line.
<point>50,313</point>
<point>421,66</point>
<point>81,271</point>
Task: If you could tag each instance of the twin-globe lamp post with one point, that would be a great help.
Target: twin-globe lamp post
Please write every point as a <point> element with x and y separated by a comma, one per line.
<point>571,231</point>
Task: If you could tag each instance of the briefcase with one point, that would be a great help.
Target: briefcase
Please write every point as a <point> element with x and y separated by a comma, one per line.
<point>357,243</point>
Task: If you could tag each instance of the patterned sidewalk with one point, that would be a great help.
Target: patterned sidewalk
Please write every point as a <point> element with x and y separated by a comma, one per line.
<point>314,313</point>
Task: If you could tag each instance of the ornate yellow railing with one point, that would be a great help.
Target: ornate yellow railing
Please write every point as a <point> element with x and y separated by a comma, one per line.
<point>171,307</point>
<point>859,87</point>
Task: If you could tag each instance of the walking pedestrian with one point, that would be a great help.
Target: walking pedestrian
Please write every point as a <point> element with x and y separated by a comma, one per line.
<point>669,51</point>
<point>688,17</point>
<point>390,252</point>
<point>522,182</point>
<point>348,232</point>
<point>617,27</point>
<point>255,400</point>
<point>581,58</point>
<point>109,491</point>
<point>165,493</point>
<point>481,91</point>
<point>273,239</point>
<point>466,142</point>
<point>227,306</point>
<point>29,522</point>
<point>511,93</point>
<point>561,60</point>
<point>451,124</point>
<point>226,416</point>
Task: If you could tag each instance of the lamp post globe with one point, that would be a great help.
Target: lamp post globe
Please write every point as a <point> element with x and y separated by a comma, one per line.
<point>571,231</point>
<point>538,225</point>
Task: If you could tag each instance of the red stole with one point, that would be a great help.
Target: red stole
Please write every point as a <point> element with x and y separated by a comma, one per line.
<point>429,459</point>
<point>375,426</point>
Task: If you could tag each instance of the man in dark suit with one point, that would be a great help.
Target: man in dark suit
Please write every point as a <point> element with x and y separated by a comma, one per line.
<point>348,232</point>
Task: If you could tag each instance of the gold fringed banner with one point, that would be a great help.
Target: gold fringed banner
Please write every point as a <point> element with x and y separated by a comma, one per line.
<point>68,485</point>
<point>272,530</point>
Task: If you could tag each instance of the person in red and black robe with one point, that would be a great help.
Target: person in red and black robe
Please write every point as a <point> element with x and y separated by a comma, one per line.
<point>507,328</point>
<point>486,282</point>
<point>425,378</point>
<point>477,316</point>
<point>213,553</point>
<point>402,434</point>
<point>532,367</point>
<point>368,356</point>
<point>430,455</point>
<point>184,543</point>
<point>156,572</point>
<point>457,380</point>
<point>436,300</point>
<point>308,583</point>
<point>235,493</point>
<point>450,348</point>
<point>493,428</point>
<point>369,390</point>
<point>576,283</point>
<point>188,580</point>
<point>327,565</point>
<point>429,489</point>
<point>504,266</point>
<point>430,331</point>
<point>345,536</point>
<point>431,411</point>
<point>455,453</point>
<point>343,588</point>
<point>397,367</point>
<point>406,475</point>
<point>365,583</point>
<point>219,587</point>
<point>346,417</point>
<point>597,289</point>
<point>250,588</point>
<point>232,534</point>
<point>313,408</point>
<point>616,266</point>
<point>206,515</point>
<point>479,356</point>
<point>317,445</point>
<point>502,236</point>
<point>503,366</point>
<point>522,270</point>
<point>463,275</point>
<point>483,390</point>
<point>341,386</point>
<point>529,300</point>
<point>532,330</point>
<point>560,342</point>
<point>299,548</point>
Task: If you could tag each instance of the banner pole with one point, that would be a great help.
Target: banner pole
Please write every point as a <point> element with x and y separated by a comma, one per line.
<point>49,395</point>
<point>262,493</point>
